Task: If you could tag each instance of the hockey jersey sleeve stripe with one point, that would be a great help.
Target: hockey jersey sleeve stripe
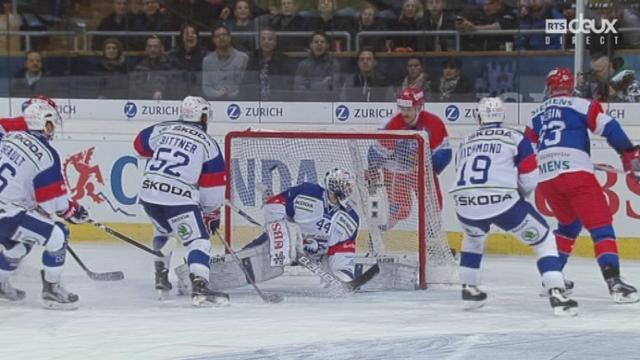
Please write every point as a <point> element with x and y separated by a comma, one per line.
<point>597,119</point>
<point>213,173</point>
<point>531,135</point>
<point>441,158</point>
<point>141,143</point>
<point>13,124</point>
<point>348,246</point>
<point>525,159</point>
<point>51,191</point>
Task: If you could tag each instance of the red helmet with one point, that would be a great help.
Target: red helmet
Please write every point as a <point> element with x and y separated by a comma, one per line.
<point>410,97</point>
<point>560,81</point>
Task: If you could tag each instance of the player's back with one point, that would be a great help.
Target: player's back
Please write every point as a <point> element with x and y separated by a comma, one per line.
<point>561,129</point>
<point>27,164</point>
<point>172,174</point>
<point>486,172</point>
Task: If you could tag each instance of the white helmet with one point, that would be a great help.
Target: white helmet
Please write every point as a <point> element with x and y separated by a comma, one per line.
<point>192,109</point>
<point>38,114</point>
<point>340,182</point>
<point>490,110</point>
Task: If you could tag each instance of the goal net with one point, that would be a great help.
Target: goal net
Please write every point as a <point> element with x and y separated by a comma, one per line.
<point>395,197</point>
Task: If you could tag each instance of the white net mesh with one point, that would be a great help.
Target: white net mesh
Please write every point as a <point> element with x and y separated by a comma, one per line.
<point>386,196</point>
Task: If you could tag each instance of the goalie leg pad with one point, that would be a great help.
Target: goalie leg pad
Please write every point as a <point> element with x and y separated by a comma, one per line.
<point>281,243</point>
<point>393,275</point>
<point>226,274</point>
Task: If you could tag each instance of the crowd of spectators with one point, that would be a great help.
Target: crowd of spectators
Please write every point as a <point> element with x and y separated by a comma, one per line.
<point>244,59</point>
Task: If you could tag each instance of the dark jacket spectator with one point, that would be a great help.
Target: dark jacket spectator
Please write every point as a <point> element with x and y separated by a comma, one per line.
<point>150,77</point>
<point>224,68</point>
<point>32,79</point>
<point>534,16</point>
<point>493,15</point>
<point>317,76</point>
<point>242,21</point>
<point>186,63</point>
<point>453,85</point>
<point>367,84</point>
<point>368,21</point>
<point>326,19</point>
<point>437,17</point>
<point>416,77</point>
<point>121,19</point>
<point>266,78</point>
<point>151,19</point>
<point>608,80</point>
<point>288,19</point>
<point>407,21</point>
<point>111,71</point>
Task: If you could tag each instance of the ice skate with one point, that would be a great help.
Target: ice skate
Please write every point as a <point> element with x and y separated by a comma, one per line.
<point>202,296</point>
<point>621,292</point>
<point>472,297</point>
<point>55,297</point>
<point>163,286</point>
<point>561,304</point>
<point>568,288</point>
<point>10,294</point>
<point>183,288</point>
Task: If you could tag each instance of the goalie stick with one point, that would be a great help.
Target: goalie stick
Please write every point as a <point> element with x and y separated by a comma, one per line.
<point>268,298</point>
<point>338,287</point>
<point>124,238</point>
<point>106,276</point>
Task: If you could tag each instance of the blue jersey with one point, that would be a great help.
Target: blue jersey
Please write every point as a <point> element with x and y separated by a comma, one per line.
<point>560,126</point>
<point>336,227</point>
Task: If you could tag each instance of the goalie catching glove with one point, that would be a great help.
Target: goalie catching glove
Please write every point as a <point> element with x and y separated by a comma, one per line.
<point>631,161</point>
<point>75,213</point>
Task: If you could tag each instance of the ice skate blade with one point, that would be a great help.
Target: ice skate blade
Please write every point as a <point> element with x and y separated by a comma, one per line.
<point>629,299</point>
<point>163,294</point>
<point>54,305</point>
<point>470,305</point>
<point>13,302</point>
<point>564,311</point>
<point>202,301</point>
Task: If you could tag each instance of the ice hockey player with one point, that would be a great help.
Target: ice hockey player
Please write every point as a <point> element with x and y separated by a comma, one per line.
<point>307,219</point>
<point>397,160</point>
<point>560,127</point>
<point>18,123</point>
<point>32,189</point>
<point>182,192</point>
<point>496,170</point>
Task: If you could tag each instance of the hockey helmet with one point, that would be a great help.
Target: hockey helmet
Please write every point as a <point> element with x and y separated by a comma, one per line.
<point>39,99</point>
<point>195,109</point>
<point>340,182</point>
<point>410,97</point>
<point>559,81</point>
<point>38,115</point>
<point>490,111</point>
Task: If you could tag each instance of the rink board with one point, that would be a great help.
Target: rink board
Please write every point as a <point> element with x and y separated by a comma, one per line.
<point>629,248</point>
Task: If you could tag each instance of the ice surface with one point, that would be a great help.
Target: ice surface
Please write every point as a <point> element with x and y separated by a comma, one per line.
<point>123,320</point>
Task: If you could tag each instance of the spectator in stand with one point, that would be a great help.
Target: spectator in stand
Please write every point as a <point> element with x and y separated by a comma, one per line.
<point>111,71</point>
<point>121,19</point>
<point>453,85</point>
<point>32,79</point>
<point>243,22</point>
<point>493,15</point>
<point>407,21</point>
<point>437,17</point>
<point>288,19</point>
<point>151,19</point>
<point>609,80</point>
<point>200,13</point>
<point>368,21</point>
<point>416,77</point>
<point>317,76</point>
<point>367,84</point>
<point>186,63</point>
<point>533,15</point>
<point>149,78</point>
<point>326,20</point>
<point>224,68</point>
<point>625,17</point>
<point>266,78</point>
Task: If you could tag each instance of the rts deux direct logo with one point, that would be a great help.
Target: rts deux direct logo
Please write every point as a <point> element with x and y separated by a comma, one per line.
<point>603,28</point>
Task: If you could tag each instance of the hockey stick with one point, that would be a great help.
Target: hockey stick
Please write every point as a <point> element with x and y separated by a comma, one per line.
<point>339,287</point>
<point>124,238</point>
<point>106,276</point>
<point>609,168</point>
<point>268,298</point>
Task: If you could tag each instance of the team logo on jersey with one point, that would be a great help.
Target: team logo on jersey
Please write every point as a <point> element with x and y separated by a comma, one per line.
<point>342,113</point>
<point>452,113</point>
<point>184,231</point>
<point>530,235</point>
<point>130,109</point>
<point>84,179</point>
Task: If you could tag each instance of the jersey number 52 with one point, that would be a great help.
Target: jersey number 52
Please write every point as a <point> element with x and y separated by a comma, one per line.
<point>168,161</point>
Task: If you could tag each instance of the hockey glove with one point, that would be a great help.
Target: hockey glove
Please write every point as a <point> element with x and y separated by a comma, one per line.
<point>212,220</point>
<point>75,213</point>
<point>315,248</point>
<point>631,161</point>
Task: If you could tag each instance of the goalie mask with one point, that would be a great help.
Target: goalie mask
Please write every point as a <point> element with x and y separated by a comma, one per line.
<point>41,116</point>
<point>340,183</point>
<point>490,111</point>
<point>195,109</point>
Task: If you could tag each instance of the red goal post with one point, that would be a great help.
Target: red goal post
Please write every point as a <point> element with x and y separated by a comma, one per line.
<point>399,215</point>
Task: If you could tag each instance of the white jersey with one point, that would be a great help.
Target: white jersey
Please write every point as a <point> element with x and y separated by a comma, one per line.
<point>493,164</point>
<point>185,166</point>
<point>30,174</point>
<point>334,228</point>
